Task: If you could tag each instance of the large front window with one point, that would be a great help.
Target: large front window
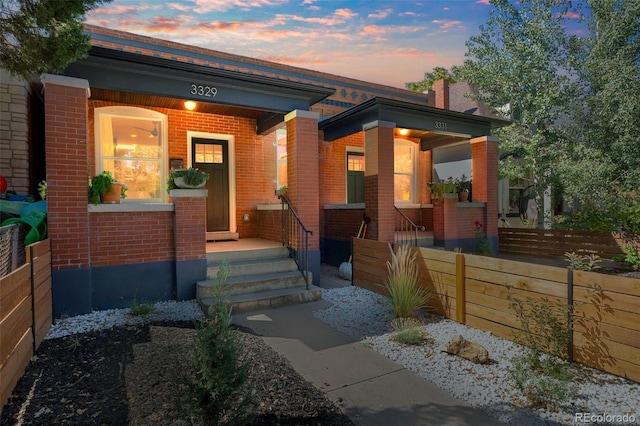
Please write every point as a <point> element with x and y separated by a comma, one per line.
<point>131,143</point>
<point>404,186</point>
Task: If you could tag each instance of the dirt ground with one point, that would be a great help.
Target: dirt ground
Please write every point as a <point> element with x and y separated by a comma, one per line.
<point>138,375</point>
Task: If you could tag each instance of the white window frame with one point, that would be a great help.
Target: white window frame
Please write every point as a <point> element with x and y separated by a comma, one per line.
<point>132,112</point>
<point>414,171</point>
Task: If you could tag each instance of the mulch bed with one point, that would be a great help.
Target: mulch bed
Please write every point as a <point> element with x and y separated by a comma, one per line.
<point>136,375</point>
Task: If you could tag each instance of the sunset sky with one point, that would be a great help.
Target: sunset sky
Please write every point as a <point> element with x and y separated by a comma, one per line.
<point>387,42</point>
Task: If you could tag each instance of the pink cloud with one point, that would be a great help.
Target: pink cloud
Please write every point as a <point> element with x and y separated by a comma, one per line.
<point>206,6</point>
<point>446,24</point>
<point>380,14</point>
<point>485,2</point>
<point>572,15</point>
<point>179,7</point>
<point>345,13</point>
<point>115,10</point>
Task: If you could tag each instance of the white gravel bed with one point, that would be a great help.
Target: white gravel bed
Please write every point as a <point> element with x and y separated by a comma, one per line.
<point>365,316</point>
<point>103,320</point>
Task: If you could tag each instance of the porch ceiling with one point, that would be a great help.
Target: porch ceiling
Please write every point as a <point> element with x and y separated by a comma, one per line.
<point>433,126</point>
<point>146,80</point>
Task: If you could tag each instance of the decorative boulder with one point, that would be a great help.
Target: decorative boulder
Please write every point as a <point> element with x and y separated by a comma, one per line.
<point>466,349</point>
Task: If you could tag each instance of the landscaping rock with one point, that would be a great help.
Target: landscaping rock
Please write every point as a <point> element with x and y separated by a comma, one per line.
<point>466,349</point>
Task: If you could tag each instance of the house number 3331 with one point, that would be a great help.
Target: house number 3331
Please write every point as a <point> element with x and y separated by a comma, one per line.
<point>206,91</point>
<point>440,125</point>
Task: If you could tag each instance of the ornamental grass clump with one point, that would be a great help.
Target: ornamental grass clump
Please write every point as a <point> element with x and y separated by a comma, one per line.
<point>405,293</point>
<point>220,390</point>
<point>408,331</point>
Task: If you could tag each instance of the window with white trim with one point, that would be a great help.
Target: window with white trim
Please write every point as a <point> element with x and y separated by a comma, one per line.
<point>404,182</point>
<point>281,160</point>
<point>131,143</point>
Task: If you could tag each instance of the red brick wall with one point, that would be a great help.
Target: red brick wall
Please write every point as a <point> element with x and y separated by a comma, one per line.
<point>342,224</point>
<point>484,164</point>
<point>191,222</point>
<point>269,224</point>
<point>302,171</point>
<point>66,152</point>
<point>333,168</point>
<point>255,156</point>
<point>131,237</point>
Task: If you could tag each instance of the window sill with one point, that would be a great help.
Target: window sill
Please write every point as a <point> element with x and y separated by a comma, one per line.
<point>131,207</point>
<point>274,206</point>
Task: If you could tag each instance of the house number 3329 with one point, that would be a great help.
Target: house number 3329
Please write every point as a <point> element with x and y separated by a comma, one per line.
<point>440,125</point>
<point>206,91</point>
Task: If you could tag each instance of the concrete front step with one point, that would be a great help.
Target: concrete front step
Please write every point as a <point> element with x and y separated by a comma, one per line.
<point>268,299</point>
<point>244,255</point>
<point>254,283</point>
<point>254,267</point>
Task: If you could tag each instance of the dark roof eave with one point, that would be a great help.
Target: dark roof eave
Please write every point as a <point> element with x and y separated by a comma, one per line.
<point>373,106</point>
<point>313,93</point>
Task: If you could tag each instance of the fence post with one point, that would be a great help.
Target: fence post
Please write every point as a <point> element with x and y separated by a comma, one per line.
<point>570,313</point>
<point>460,289</point>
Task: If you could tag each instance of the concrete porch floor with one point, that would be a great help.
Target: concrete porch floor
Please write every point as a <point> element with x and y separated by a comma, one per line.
<point>241,245</point>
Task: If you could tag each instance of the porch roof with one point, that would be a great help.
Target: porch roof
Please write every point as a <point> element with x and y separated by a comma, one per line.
<point>116,75</point>
<point>433,126</point>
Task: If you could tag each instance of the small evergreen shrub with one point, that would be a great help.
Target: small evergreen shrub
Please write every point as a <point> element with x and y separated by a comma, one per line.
<point>406,294</point>
<point>141,309</point>
<point>220,392</point>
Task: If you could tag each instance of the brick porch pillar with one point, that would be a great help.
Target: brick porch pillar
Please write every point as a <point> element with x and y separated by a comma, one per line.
<point>378,180</point>
<point>484,166</point>
<point>303,178</point>
<point>445,222</point>
<point>66,134</point>
<point>190,231</point>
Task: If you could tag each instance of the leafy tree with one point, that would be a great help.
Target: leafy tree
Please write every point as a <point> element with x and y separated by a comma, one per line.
<point>438,73</point>
<point>40,36</point>
<point>524,65</point>
<point>608,120</point>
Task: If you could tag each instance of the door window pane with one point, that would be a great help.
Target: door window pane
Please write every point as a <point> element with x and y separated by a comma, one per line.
<point>209,153</point>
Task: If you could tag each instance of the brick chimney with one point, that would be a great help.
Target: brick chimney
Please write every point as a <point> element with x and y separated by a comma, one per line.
<point>441,89</point>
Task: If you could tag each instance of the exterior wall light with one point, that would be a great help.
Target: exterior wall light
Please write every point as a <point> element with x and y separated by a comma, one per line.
<point>189,105</point>
<point>403,132</point>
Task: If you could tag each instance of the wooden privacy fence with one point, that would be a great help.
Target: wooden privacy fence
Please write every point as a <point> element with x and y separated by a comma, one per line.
<point>557,242</point>
<point>25,314</point>
<point>474,290</point>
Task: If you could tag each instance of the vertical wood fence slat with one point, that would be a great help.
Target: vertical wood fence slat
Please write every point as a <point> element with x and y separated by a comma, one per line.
<point>25,314</point>
<point>460,289</point>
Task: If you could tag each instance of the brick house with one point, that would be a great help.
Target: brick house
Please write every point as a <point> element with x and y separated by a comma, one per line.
<point>344,148</point>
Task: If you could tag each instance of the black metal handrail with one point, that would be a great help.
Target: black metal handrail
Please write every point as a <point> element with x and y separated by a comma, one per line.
<point>405,227</point>
<point>295,236</point>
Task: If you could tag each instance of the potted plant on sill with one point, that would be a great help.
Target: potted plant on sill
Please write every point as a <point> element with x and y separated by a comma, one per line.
<point>191,178</point>
<point>103,188</point>
<point>442,189</point>
<point>463,187</point>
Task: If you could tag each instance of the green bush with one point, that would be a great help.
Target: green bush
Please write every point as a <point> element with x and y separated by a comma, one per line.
<point>220,391</point>
<point>406,294</point>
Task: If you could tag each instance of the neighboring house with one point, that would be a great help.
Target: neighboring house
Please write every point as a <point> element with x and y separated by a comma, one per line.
<point>344,148</point>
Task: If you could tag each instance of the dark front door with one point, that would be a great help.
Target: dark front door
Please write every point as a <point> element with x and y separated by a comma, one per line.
<point>212,156</point>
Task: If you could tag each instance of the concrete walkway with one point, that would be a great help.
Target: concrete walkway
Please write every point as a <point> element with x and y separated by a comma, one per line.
<point>368,387</point>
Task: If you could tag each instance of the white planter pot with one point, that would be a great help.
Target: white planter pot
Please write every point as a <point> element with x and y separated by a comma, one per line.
<point>181,184</point>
